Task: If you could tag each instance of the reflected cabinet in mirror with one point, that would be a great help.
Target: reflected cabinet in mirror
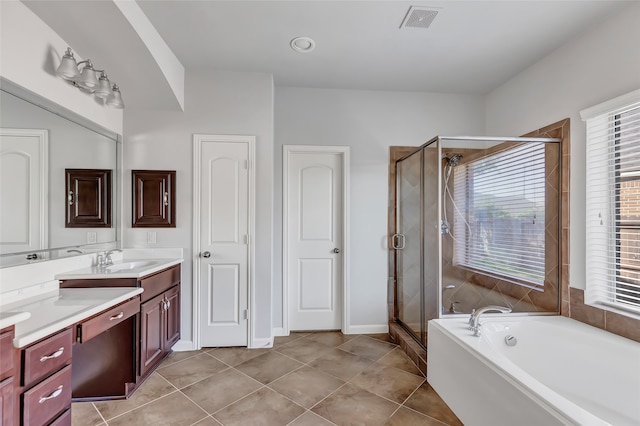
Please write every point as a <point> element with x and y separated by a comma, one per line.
<point>42,206</point>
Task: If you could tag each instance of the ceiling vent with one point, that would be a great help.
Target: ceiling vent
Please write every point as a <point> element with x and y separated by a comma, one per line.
<point>418,17</point>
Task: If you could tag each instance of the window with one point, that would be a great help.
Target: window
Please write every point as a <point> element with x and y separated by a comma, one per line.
<point>503,199</point>
<point>613,203</point>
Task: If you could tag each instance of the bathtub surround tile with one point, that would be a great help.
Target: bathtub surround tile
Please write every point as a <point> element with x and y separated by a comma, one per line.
<point>585,313</point>
<point>273,409</point>
<point>350,403</point>
<point>268,367</point>
<point>407,417</point>
<point>85,414</point>
<point>306,386</point>
<point>428,402</point>
<point>221,389</point>
<point>172,410</point>
<point>367,347</point>
<point>191,370</point>
<point>153,388</point>
<point>622,325</point>
<point>388,382</point>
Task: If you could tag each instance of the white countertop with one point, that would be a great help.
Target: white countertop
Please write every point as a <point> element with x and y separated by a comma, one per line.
<point>55,310</point>
<point>141,267</point>
<point>11,318</point>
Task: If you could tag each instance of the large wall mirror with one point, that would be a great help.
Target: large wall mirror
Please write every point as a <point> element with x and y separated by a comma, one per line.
<point>38,143</point>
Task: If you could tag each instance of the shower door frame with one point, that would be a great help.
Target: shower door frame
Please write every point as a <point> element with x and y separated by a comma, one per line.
<point>421,339</point>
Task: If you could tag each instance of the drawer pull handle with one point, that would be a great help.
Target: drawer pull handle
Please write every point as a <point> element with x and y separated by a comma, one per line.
<point>56,354</point>
<point>116,317</point>
<point>56,393</point>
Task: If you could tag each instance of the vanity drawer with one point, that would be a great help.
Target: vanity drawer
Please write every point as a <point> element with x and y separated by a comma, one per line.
<point>63,419</point>
<point>158,283</point>
<point>92,327</point>
<point>6,355</point>
<point>46,400</point>
<point>46,356</point>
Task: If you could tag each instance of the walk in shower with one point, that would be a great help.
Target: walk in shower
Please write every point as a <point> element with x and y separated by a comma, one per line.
<point>477,223</point>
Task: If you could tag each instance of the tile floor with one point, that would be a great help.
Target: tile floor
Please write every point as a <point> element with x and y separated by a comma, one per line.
<point>307,379</point>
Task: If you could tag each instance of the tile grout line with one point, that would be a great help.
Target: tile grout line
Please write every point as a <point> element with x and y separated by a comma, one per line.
<point>142,405</point>
<point>426,415</point>
<point>99,413</point>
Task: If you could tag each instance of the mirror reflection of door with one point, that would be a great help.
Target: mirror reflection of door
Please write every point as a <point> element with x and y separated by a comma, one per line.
<point>23,189</point>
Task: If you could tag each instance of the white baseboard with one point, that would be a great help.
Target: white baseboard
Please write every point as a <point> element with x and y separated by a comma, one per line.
<point>183,345</point>
<point>279,332</point>
<point>265,342</point>
<point>368,329</point>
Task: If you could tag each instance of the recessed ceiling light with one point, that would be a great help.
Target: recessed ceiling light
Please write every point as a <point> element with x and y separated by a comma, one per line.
<point>303,44</point>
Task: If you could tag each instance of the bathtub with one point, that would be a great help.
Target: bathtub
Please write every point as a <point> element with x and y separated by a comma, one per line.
<point>560,372</point>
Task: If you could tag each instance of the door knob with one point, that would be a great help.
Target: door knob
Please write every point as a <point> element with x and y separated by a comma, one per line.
<point>336,250</point>
<point>206,254</point>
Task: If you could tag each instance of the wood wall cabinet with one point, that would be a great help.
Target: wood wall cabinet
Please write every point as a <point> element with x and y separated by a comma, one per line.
<point>154,193</point>
<point>88,198</point>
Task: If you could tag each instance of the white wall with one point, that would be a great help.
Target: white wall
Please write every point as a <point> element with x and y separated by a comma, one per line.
<point>369,122</point>
<point>595,66</point>
<point>215,103</point>
<point>30,52</point>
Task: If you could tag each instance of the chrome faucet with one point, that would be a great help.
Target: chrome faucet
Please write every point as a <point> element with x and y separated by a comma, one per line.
<point>474,320</point>
<point>107,256</point>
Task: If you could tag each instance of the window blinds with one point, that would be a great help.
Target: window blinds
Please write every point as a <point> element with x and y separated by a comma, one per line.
<point>503,200</point>
<point>613,207</point>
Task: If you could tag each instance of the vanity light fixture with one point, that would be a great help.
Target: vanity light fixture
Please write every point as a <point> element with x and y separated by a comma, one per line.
<point>85,77</point>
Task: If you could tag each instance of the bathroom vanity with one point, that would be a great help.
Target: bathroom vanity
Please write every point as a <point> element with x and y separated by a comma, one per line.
<point>92,334</point>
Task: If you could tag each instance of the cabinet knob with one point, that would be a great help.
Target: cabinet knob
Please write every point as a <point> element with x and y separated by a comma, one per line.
<point>206,254</point>
<point>336,250</point>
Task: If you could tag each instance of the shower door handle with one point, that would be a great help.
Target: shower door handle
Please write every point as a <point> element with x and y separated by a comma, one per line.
<point>398,241</point>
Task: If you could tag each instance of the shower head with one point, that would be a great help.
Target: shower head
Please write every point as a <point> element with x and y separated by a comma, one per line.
<point>454,160</point>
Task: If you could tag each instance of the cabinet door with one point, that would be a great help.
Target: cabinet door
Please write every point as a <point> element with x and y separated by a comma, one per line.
<point>172,317</point>
<point>88,198</point>
<point>6,401</point>
<point>154,193</point>
<point>151,332</point>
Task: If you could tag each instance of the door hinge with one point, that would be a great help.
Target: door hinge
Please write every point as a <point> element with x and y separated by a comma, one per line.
<point>244,314</point>
<point>246,239</point>
<point>246,164</point>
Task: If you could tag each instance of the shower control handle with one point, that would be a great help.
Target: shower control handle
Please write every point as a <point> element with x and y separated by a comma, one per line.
<point>398,241</point>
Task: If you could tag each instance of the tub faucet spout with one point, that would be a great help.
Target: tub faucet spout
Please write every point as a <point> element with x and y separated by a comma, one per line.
<point>474,320</point>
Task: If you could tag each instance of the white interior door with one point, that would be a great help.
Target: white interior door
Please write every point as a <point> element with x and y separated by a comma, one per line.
<point>23,190</point>
<point>314,225</point>
<point>224,243</point>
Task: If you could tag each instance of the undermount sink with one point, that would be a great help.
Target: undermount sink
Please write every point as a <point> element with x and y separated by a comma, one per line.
<point>129,265</point>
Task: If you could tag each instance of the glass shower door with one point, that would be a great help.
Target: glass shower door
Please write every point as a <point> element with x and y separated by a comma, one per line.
<point>408,245</point>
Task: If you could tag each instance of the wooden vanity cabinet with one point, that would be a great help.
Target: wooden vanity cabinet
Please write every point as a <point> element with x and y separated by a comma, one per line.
<point>159,317</point>
<point>45,380</point>
<point>159,325</point>
<point>7,383</point>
